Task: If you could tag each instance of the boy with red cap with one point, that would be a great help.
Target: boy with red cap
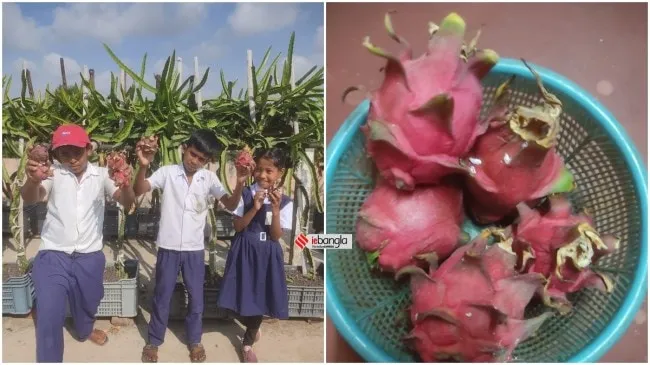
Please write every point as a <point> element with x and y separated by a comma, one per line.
<point>70,262</point>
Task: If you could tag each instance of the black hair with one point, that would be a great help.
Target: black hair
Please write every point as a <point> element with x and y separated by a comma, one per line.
<point>205,141</point>
<point>275,154</point>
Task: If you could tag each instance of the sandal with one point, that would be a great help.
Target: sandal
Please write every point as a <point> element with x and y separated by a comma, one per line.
<point>98,337</point>
<point>150,353</point>
<point>197,352</point>
<point>248,355</point>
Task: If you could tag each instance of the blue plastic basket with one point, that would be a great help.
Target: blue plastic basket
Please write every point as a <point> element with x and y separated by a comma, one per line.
<point>611,182</point>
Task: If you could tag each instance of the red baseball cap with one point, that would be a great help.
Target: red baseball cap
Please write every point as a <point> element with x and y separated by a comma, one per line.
<point>70,135</point>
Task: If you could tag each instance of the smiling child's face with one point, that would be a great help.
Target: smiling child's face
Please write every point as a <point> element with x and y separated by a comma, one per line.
<point>266,173</point>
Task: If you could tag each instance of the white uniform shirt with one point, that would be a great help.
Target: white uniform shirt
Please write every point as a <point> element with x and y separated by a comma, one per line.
<point>184,206</point>
<point>75,210</point>
<point>286,213</point>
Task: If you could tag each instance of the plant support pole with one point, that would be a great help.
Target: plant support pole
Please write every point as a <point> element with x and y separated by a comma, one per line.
<point>63,80</point>
<point>251,97</point>
<point>21,214</point>
<point>301,205</point>
<point>197,96</point>
<point>84,92</point>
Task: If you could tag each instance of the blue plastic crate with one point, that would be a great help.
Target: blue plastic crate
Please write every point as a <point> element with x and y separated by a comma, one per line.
<point>18,295</point>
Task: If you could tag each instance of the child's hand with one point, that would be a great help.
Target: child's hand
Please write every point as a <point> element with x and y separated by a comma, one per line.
<point>276,197</point>
<point>258,199</point>
<point>33,170</point>
<point>243,172</point>
<point>146,149</point>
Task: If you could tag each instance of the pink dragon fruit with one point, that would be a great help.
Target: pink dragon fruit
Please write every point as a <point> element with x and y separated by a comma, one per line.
<point>425,115</point>
<point>39,154</point>
<point>471,309</point>
<point>245,159</point>
<point>119,169</point>
<point>561,246</point>
<point>515,160</point>
<point>400,229</point>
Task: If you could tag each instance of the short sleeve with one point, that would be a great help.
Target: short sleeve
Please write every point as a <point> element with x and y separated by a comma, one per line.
<point>286,216</point>
<point>239,211</point>
<point>158,178</point>
<point>216,188</point>
<point>109,185</point>
<point>47,185</point>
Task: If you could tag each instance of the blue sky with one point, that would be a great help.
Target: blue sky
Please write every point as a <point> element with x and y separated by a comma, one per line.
<point>217,33</point>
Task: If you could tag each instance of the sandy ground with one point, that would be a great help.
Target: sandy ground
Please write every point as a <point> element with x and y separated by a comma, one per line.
<point>294,340</point>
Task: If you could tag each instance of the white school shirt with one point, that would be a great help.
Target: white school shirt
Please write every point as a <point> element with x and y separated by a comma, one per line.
<point>184,207</point>
<point>75,209</point>
<point>286,213</point>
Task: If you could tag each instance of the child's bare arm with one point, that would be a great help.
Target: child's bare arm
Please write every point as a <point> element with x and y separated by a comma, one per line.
<point>241,222</point>
<point>276,229</point>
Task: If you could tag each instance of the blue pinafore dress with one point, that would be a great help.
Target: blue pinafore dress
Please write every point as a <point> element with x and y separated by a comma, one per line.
<point>254,280</point>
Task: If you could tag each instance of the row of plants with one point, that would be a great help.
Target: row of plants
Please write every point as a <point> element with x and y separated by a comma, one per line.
<point>117,121</point>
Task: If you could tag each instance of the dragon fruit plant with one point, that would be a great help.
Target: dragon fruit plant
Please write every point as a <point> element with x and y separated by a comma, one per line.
<point>471,309</point>
<point>425,115</point>
<point>515,160</point>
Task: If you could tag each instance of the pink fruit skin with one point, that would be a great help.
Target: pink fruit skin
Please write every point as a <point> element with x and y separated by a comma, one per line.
<point>497,188</point>
<point>411,148</point>
<point>404,224</point>
<point>477,300</point>
<point>544,235</point>
<point>244,159</point>
<point>39,154</point>
<point>119,169</point>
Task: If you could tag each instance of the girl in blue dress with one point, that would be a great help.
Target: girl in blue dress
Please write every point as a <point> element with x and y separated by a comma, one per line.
<point>254,283</point>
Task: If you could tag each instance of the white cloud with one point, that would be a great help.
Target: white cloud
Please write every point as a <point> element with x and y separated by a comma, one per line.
<point>19,32</point>
<point>319,40</point>
<point>252,18</point>
<point>106,22</point>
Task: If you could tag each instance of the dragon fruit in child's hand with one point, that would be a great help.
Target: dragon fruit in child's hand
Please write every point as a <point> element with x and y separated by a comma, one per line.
<point>245,159</point>
<point>471,309</point>
<point>148,144</point>
<point>39,153</point>
<point>401,229</point>
<point>515,160</point>
<point>425,115</point>
<point>119,169</point>
<point>562,246</point>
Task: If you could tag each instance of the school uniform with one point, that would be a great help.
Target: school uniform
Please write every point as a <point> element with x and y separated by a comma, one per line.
<point>254,282</point>
<point>70,262</point>
<point>181,245</point>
